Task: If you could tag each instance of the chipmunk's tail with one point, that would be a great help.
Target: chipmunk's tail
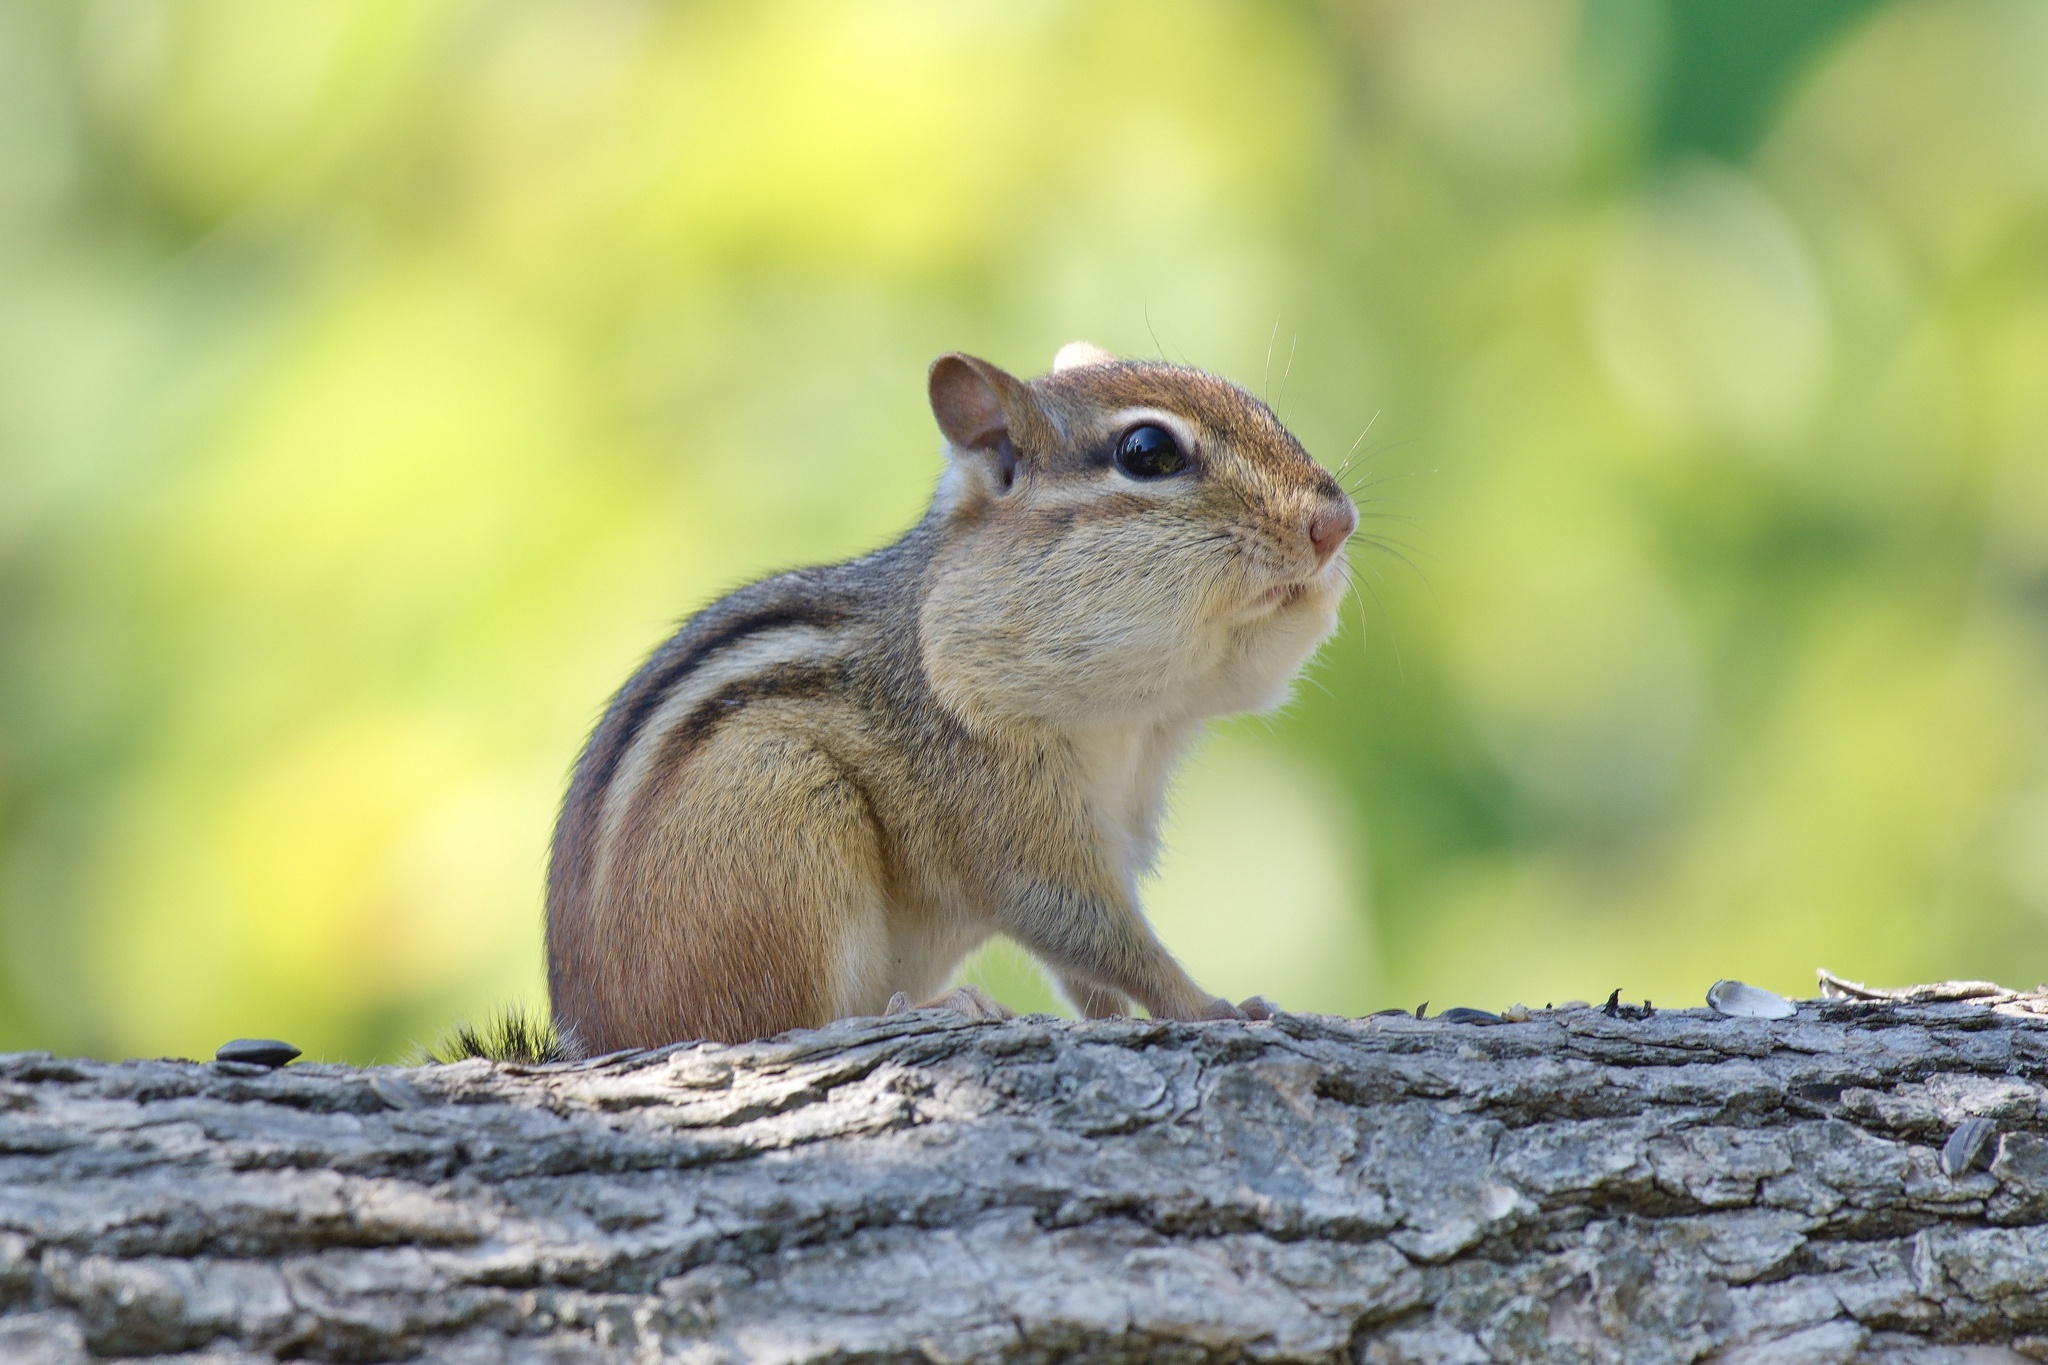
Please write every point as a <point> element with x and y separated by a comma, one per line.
<point>513,1034</point>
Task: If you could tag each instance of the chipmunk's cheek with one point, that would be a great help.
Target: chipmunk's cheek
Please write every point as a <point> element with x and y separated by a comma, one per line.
<point>1077,635</point>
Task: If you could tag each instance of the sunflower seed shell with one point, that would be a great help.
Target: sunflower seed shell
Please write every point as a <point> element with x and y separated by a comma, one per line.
<point>1739,1000</point>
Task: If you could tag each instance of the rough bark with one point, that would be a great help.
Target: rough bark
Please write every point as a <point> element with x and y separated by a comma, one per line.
<point>1578,1187</point>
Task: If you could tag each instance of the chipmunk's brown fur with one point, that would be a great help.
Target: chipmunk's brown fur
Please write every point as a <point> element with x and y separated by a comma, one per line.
<point>832,785</point>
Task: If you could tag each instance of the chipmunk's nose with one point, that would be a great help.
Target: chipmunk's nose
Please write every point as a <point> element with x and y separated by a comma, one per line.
<point>1331,527</point>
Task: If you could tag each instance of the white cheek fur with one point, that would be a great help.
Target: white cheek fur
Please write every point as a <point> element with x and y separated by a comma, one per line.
<point>1129,652</point>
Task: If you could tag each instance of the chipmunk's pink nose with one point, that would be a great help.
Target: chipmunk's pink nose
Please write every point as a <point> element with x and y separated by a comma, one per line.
<point>1332,526</point>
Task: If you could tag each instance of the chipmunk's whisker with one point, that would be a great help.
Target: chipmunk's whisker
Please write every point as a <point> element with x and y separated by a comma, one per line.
<point>1393,636</point>
<point>1349,454</point>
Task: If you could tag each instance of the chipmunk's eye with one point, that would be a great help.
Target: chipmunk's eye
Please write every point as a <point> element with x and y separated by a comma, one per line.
<point>1150,452</point>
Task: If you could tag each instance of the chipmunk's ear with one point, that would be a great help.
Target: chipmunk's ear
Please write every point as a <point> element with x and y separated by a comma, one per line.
<point>976,403</point>
<point>987,413</point>
<point>1075,354</point>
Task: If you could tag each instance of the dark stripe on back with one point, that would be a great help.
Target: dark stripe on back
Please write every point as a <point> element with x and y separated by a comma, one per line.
<point>573,849</point>
<point>573,953</point>
<point>643,696</point>
<point>779,682</point>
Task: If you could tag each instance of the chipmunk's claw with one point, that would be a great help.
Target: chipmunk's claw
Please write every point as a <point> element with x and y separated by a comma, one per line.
<point>1259,1007</point>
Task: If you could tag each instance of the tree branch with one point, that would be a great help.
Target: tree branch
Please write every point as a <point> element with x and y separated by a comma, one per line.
<point>1578,1187</point>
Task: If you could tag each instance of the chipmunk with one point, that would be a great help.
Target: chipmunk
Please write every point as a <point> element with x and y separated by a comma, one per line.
<point>831,786</point>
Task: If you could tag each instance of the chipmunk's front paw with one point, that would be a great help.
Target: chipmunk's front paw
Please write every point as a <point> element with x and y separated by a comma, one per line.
<point>971,1001</point>
<point>1255,1009</point>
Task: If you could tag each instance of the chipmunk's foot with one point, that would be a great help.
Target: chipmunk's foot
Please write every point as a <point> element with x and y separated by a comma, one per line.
<point>971,1001</point>
<point>1255,1009</point>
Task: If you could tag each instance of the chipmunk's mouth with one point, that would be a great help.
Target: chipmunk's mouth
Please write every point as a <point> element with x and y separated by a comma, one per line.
<point>1282,598</point>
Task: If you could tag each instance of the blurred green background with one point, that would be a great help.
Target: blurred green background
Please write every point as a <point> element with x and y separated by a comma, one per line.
<point>378,382</point>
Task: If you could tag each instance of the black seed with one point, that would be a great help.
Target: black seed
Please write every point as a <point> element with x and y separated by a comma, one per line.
<point>1612,1009</point>
<point>1965,1146</point>
<point>1422,1010</point>
<point>259,1051</point>
<point>1460,1014</point>
<point>1380,1014</point>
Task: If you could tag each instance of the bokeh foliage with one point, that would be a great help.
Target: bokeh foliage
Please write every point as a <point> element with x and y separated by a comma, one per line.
<point>379,380</point>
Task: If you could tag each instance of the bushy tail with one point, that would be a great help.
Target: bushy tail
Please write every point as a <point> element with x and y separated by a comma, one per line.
<point>511,1035</point>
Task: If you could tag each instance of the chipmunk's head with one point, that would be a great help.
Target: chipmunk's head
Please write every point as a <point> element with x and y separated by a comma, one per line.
<point>1123,541</point>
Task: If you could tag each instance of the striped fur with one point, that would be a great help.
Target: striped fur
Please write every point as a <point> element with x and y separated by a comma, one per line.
<point>832,785</point>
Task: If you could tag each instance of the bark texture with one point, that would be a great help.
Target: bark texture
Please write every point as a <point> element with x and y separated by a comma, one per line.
<point>1578,1187</point>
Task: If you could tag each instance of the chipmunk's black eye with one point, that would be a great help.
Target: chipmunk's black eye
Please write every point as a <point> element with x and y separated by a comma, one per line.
<point>1150,452</point>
